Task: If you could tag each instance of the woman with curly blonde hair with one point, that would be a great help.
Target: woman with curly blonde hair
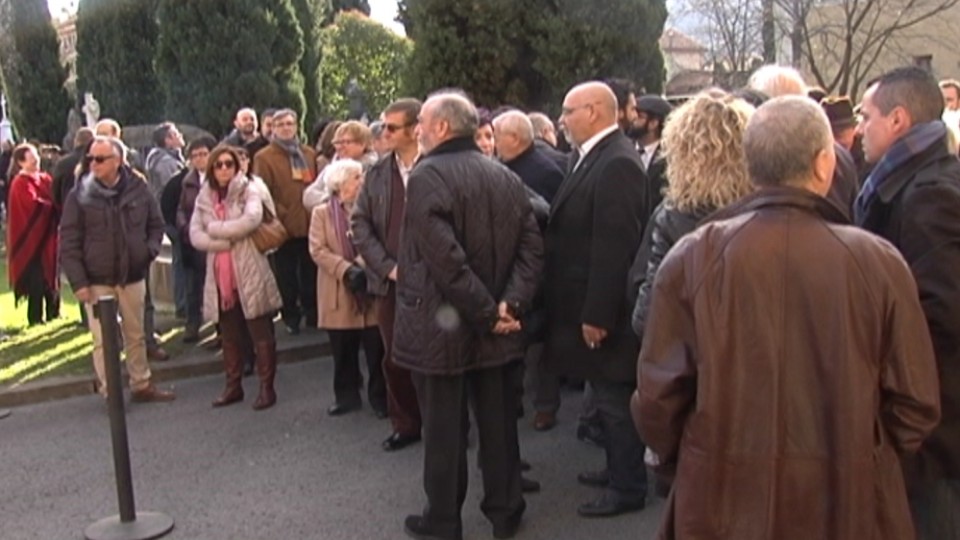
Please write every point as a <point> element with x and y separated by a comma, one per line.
<point>706,171</point>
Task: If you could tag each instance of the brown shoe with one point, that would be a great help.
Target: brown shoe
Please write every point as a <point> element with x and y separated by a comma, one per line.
<point>151,394</point>
<point>544,421</point>
<point>157,354</point>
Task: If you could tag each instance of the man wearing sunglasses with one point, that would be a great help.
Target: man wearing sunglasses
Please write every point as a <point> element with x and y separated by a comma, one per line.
<point>376,222</point>
<point>110,233</point>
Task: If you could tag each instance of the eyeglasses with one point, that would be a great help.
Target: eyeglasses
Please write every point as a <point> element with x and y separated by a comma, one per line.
<point>198,155</point>
<point>393,128</point>
<point>227,164</point>
<point>567,111</point>
<point>99,159</point>
<point>342,142</point>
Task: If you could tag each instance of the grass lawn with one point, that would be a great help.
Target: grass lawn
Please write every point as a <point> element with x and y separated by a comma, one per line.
<point>58,348</point>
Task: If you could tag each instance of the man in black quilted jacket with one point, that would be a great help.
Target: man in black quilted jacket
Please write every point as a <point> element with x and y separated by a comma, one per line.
<point>469,261</point>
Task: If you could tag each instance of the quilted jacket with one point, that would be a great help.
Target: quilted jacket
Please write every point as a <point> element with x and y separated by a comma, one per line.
<point>256,286</point>
<point>470,240</point>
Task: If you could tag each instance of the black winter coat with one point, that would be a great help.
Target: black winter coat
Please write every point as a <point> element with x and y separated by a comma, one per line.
<point>917,209</point>
<point>596,224</point>
<point>538,172</point>
<point>469,242</point>
<point>109,236</point>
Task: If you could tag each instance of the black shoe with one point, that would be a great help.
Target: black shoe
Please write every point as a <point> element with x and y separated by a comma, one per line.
<point>417,527</point>
<point>594,478</point>
<point>525,465</point>
<point>338,409</point>
<point>610,504</point>
<point>293,330</point>
<point>396,441</point>
<point>592,435</point>
<point>528,485</point>
<point>380,413</point>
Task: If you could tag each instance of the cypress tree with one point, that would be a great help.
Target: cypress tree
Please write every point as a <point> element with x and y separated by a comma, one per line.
<point>216,56</point>
<point>529,53</point>
<point>311,14</point>
<point>116,41</point>
<point>33,78</point>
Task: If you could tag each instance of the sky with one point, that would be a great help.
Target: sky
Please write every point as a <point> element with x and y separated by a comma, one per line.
<point>382,11</point>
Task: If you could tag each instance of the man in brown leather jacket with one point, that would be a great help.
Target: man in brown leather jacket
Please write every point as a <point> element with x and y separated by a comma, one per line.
<point>786,364</point>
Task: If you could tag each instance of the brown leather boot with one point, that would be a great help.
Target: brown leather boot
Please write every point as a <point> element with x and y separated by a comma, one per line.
<point>266,370</point>
<point>233,368</point>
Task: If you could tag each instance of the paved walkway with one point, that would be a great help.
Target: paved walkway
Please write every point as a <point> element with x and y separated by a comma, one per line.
<point>290,472</point>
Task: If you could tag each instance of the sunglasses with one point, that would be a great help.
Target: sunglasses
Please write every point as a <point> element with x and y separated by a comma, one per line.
<point>393,128</point>
<point>228,164</point>
<point>99,159</point>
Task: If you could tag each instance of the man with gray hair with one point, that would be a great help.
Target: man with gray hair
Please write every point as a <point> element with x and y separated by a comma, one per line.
<point>469,263</point>
<point>912,199</point>
<point>787,361</point>
<point>109,234</point>
<point>514,139</point>
<point>545,138</point>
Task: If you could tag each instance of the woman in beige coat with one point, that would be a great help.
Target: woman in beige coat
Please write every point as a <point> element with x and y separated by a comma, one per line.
<point>344,308</point>
<point>240,290</point>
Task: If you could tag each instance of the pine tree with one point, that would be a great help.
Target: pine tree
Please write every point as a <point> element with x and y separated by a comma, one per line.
<point>311,14</point>
<point>216,56</point>
<point>33,78</point>
<point>116,41</point>
<point>359,49</point>
<point>530,53</point>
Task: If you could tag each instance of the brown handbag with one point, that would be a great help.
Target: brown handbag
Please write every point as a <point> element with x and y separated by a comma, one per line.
<point>271,234</point>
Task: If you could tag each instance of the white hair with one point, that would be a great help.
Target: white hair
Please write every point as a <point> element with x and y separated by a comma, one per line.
<point>338,172</point>
<point>776,81</point>
<point>517,123</point>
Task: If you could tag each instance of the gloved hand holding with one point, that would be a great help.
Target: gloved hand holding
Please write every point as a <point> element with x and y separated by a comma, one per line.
<point>355,279</point>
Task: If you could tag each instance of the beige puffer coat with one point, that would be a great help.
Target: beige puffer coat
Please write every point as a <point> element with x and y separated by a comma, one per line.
<point>256,286</point>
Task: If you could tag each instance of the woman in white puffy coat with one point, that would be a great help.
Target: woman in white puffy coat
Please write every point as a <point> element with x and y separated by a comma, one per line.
<point>240,289</point>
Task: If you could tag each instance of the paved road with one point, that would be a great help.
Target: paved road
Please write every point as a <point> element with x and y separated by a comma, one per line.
<point>288,473</point>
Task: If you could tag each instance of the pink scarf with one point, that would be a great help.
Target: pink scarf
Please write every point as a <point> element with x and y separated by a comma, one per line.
<point>223,266</point>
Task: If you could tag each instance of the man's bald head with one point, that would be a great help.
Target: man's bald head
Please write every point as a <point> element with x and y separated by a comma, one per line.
<point>514,134</point>
<point>588,109</point>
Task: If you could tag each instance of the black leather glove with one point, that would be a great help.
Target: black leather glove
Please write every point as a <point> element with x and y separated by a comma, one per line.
<point>355,279</point>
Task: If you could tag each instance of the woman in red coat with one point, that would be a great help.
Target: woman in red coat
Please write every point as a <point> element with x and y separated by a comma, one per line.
<point>32,236</point>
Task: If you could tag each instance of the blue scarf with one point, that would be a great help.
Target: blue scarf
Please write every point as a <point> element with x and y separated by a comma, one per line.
<point>915,142</point>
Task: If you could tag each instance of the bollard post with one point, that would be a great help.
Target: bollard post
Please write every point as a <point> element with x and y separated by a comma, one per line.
<point>129,524</point>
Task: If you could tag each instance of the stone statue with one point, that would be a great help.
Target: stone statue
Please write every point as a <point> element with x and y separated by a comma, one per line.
<point>73,125</point>
<point>357,100</point>
<point>91,108</point>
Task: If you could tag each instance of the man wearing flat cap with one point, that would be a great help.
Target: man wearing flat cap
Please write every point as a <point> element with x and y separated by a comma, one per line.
<point>846,180</point>
<point>652,112</point>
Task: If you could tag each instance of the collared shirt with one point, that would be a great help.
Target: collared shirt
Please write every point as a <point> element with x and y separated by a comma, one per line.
<point>588,145</point>
<point>405,171</point>
<point>647,152</point>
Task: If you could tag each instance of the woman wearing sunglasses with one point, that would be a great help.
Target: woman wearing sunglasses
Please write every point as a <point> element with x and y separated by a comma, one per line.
<point>240,290</point>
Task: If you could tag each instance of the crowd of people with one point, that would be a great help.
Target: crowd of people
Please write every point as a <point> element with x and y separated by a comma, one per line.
<point>755,289</point>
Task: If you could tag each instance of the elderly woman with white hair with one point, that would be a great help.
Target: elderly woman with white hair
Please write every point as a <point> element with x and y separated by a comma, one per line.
<point>344,308</point>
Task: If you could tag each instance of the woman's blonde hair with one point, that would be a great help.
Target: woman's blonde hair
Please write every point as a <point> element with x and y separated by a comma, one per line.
<point>703,144</point>
<point>357,131</point>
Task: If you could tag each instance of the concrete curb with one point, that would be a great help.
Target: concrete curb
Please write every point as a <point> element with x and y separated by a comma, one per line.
<point>197,363</point>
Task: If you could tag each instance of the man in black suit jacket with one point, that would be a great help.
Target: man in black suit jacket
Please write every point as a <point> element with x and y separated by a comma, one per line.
<point>596,223</point>
<point>514,139</point>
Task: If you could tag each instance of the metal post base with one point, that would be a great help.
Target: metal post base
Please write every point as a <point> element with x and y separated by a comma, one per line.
<point>4,413</point>
<point>147,526</point>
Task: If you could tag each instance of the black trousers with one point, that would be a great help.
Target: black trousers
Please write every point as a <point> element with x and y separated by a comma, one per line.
<point>628,474</point>
<point>296,275</point>
<point>347,379</point>
<point>443,406</point>
<point>39,294</point>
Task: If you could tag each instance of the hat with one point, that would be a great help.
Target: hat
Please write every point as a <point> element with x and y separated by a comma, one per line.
<point>655,105</point>
<point>839,110</point>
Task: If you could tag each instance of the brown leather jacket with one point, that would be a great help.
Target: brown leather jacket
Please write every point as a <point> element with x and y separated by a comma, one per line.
<point>786,363</point>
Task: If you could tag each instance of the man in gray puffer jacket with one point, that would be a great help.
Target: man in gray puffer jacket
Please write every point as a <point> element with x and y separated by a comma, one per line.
<point>110,232</point>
